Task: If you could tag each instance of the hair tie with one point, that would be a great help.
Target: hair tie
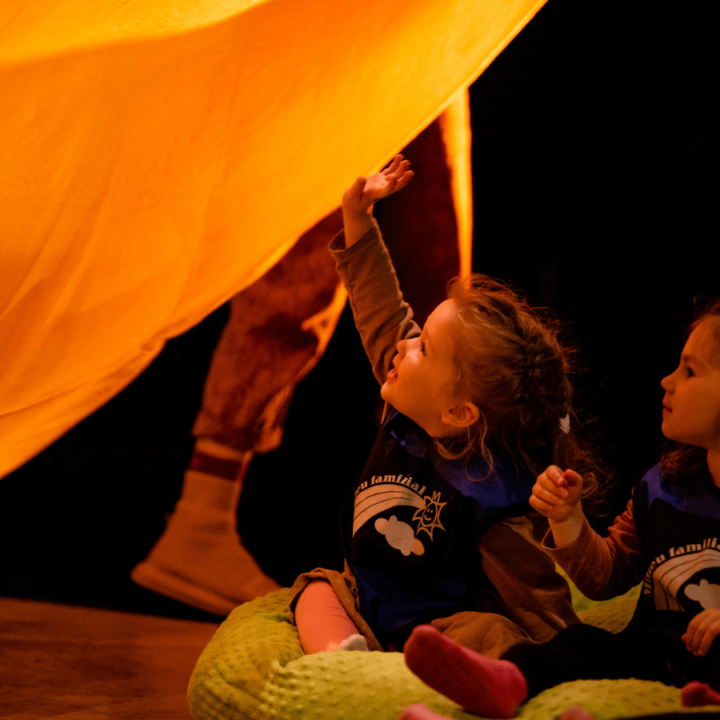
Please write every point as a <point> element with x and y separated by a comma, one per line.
<point>565,423</point>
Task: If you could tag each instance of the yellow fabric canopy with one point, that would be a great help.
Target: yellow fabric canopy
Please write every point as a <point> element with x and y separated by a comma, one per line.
<point>160,155</point>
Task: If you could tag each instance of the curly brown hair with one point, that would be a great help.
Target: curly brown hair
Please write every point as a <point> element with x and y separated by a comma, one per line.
<point>680,462</point>
<point>514,367</point>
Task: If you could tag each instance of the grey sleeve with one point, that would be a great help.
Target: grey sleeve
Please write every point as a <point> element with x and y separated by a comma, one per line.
<point>382,317</point>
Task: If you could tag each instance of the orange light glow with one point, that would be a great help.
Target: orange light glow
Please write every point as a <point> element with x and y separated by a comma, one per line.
<point>160,155</point>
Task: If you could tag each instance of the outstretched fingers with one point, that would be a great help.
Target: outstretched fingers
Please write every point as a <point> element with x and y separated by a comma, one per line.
<point>397,174</point>
<point>405,176</point>
<point>394,164</point>
<point>360,197</point>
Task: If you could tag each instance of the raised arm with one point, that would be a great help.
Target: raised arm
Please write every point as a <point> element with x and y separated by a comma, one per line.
<point>381,315</point>
<point>361,196</point>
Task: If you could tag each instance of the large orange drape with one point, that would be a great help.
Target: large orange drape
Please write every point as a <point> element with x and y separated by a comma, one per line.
<point>158,155</point>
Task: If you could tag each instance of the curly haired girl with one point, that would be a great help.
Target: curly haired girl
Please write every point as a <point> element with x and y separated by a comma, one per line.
<point>437,528</point>
<point>667,538</point>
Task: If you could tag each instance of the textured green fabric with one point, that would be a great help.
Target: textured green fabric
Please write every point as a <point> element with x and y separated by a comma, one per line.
<point>605,699</point>
<point>254,669</point>
<point>229,677</point>
<point>582,603</point>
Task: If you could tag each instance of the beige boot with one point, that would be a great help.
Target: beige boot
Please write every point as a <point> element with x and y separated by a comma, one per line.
<point>199,559</point>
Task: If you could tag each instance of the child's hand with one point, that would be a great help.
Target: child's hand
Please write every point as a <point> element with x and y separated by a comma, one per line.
<point>701,631</point>
<point>556,494</point>
<point>359,199</point>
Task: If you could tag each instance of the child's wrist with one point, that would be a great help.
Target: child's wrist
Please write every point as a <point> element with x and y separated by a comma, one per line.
<point>357,215</point>
<point>357,227</point>
<point>567,531</point>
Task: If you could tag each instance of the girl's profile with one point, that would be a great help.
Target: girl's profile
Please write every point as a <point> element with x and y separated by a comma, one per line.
<point>437,528</point>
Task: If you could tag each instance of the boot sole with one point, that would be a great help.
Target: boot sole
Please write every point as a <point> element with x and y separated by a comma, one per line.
<point>177,588</point>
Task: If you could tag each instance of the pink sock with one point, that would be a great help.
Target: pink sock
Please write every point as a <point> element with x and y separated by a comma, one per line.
<point>479,684</point>
<point>575,712</point>
<point>420,712</point>
<point>696,694</point>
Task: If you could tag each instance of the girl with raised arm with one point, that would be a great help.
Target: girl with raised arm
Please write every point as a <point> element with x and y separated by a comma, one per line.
<point>437,529</point>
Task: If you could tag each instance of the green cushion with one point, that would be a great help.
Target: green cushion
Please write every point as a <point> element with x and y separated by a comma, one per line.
<point>254,669</point>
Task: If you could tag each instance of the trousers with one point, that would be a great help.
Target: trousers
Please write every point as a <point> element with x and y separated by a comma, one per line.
<point>584,652</point>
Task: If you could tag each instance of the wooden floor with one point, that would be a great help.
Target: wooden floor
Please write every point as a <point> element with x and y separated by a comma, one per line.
<point>73,663</point>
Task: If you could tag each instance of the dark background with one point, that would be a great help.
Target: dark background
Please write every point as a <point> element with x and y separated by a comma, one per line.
<point>592,186</point>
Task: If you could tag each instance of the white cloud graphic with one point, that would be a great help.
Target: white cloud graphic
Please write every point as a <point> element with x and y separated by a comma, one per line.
<point>668,578</point>
<point>708,595</point>
<point>399,535</point>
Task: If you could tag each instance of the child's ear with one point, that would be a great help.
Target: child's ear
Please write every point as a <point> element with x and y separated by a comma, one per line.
<point>462,415</point>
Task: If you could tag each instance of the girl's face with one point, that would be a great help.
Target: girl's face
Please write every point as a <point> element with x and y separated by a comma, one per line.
<point>421,382</point>
<point>691,406</point>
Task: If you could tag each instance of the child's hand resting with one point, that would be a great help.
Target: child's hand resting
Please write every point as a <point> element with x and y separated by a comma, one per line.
<point>359,198</point>
<point>701,631</point>
<point>556,495</point>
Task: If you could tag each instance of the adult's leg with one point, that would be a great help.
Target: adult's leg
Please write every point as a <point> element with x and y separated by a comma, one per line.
<point>584,652</point>
<point>277,331</point>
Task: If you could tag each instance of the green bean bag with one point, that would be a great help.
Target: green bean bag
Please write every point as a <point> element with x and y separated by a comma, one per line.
<point>254,669</point>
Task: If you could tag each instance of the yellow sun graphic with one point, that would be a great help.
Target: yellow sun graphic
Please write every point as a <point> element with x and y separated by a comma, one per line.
<point>429,516</point>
